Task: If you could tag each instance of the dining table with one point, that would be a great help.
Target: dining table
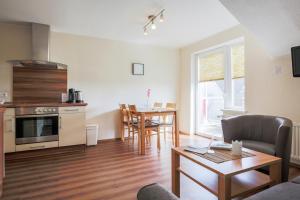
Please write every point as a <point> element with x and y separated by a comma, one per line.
<point>147,113</point>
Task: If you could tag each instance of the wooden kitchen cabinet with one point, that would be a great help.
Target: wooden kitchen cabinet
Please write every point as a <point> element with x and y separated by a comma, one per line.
<point>35,146</point>
<point>1,150</point>
<point>9,132</point>
<point>72,130</point>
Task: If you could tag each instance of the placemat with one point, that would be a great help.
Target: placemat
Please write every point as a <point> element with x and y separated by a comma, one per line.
<point>221,156</point>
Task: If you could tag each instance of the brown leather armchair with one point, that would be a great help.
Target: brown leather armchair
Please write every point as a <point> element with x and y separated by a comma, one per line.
<point>268,134</point>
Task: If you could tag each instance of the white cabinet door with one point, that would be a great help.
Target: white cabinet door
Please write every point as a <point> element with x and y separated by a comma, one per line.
<point>9,133</point>
<point>72,128</point>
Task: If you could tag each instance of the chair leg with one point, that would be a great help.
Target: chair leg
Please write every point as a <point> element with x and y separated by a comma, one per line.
<point>133,136</point>
<point>165,135</point>
<point>147,137</point>
<point>173,136</point>
<point>122,132</point>
<point>139,140</point>
<point>158,140</point>
<point>128,134</point>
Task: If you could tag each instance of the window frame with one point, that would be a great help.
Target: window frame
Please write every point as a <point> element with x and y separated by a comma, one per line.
<point>228,86</point>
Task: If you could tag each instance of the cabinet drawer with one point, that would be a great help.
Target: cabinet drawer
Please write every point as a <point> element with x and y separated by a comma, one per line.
<point>34,146</point>
<point>73,109</point>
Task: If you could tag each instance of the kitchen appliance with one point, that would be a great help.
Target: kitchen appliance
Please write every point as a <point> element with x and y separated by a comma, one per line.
<point>36,124</point>
<point>40,37</point>
<point>79,97</point>
<point>72,95</point>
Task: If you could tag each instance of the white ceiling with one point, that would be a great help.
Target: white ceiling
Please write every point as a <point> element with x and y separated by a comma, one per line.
<point>186,21</point>
<point>276,23</point>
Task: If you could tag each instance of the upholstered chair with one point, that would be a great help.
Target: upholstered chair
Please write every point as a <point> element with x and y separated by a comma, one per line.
<point>267,134</point>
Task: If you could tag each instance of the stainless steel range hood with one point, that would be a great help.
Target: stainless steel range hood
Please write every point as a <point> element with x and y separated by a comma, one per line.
<point>40,34</point>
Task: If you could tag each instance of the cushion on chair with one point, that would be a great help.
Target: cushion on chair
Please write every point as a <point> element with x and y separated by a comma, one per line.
<point>285,191</point>
<point>259,146</point>
<point>155,192</point>
<point>296,180</point>
<point>148,124</point>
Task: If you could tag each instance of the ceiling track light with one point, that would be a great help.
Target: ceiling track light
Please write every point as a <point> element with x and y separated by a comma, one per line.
<point>151,21</point>
<point>145,31</point>
<point>153,26</point>
<point>161,17</point>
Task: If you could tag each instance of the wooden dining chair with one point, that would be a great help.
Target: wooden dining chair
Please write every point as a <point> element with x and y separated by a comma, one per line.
<point>157,105</point>
<point>168,122</point>
<point>122,106</point>
<point>171,106</point>
<point>149,126</point>
<point>126,125</point>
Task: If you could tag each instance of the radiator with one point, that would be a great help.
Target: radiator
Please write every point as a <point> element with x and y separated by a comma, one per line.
<point>295,155</point>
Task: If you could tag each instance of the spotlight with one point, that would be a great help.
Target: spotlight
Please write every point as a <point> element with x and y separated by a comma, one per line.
<point>153,26</point>
<point>161,18</point>
<point>145,31</point>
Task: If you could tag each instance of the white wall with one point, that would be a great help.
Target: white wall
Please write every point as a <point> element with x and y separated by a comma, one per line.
<point>102,70</point>
<point>267,91</point>
<point>15,42</point>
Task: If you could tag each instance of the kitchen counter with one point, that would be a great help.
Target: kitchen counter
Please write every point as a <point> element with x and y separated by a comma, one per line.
<point>67,122</point>
<point>14,105</point>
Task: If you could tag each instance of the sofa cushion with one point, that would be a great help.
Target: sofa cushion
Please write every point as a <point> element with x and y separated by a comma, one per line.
<point>296,180</point>
<point>155,192</point>
<point>259,146</point>
<point>284,191</point>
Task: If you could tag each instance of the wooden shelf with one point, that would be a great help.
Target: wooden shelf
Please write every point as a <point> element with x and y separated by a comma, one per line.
<point>241,184</point>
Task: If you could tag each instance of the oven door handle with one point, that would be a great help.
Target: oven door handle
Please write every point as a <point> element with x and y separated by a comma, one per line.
<point>60,122</point>
<point>30,116</point>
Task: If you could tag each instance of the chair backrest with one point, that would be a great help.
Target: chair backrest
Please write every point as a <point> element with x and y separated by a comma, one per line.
<point>131,113</point>
<point>157,105</point>
<point>122,106</point>
<point>123,112</point>
<point>132,108</point>
<point>171,106</point>
<point>254,127</point>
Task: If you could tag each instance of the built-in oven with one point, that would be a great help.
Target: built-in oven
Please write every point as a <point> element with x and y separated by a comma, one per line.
<point>36,124</point>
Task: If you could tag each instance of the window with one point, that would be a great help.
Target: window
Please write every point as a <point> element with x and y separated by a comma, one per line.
<point>238,77</point>
<point>220,84</point>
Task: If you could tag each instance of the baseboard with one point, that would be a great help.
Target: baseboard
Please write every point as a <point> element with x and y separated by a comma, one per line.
<point>293,164</point>
<point>109,140</point>
<point>118,139</point>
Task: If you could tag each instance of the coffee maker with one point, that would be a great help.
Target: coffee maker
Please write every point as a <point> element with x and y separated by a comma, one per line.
<point>72,96</point>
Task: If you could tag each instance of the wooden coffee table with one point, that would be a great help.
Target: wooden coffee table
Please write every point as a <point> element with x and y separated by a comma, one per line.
<point>235,178</point>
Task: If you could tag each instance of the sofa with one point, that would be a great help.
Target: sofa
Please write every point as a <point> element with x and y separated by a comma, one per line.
<point>284,191</point>
<point>267,134</point>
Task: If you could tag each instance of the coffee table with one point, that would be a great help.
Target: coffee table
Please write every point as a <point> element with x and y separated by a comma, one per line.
<point>230,179</point>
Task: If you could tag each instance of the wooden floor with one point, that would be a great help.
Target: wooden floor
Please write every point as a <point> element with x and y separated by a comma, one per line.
<point>110,171</point>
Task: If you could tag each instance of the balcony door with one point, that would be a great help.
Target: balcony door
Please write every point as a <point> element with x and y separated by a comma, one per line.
<point>219,86</point>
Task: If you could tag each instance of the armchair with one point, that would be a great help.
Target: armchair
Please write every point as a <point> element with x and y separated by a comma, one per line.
<point>268,134</point>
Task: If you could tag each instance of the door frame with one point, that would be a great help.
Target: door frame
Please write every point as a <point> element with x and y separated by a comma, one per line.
<point>226,48</point>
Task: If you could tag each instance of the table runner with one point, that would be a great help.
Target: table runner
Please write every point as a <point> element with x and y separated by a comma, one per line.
<point>220,156</point>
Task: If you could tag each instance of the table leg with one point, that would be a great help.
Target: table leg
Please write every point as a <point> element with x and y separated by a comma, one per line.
<point>224,187</point>
<point>139,140</point>
<point>176,130</point>
<point>275,173</point>
<point>175,173</point>
<point>142,141</point>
